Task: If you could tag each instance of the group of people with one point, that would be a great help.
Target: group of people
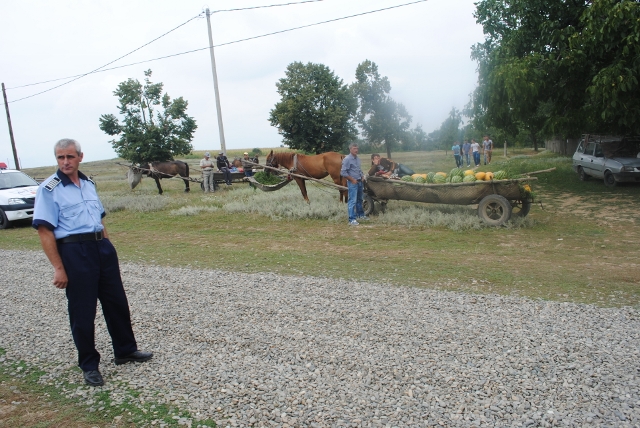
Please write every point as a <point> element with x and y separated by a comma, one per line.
<point>472,150</point>
<point>223,165</point>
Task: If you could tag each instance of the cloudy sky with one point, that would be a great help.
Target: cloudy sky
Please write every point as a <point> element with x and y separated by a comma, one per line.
<point>423,48</point>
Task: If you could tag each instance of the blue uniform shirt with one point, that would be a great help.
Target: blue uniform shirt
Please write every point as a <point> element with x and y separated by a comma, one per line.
<point>351,167</point>
<point>67,209</point>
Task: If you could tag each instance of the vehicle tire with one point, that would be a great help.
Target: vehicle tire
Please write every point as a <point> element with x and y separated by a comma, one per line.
<point>609,180</point>
<point>4,222</point>
<point>520,208</point>
<point>494,210</point>
<point>367,205</point>
<point>583,175</point>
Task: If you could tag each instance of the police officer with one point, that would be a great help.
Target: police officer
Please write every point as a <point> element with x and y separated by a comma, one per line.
<point>68,216</point>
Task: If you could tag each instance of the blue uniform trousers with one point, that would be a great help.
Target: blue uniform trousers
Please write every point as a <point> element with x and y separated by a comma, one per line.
<point>94,274</point>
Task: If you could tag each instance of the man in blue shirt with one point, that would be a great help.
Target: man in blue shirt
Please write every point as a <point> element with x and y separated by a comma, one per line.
<point>353,173</point>
<point>456,154</point>
<point>68,217</point>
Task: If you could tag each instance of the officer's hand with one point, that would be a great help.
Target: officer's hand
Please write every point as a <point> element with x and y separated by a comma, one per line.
<point>60,279</point>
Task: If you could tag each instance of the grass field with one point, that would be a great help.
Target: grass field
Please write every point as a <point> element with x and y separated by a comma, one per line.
<point>579,243</point>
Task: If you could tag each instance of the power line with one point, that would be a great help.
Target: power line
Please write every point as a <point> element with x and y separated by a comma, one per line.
<point>78,76</point>
<point>100,69</point>
<point>270,5</point>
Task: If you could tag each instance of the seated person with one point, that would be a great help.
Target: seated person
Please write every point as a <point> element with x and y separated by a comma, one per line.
<point>381,167</point>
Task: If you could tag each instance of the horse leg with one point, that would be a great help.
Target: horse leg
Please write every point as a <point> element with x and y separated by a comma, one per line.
<point>158,184</point>
<point>341,181</point>
<point>303,188</point>
<point>186,185</point>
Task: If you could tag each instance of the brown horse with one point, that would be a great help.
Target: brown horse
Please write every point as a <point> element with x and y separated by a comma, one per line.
<point>159,170</point>
<point>315,166</point>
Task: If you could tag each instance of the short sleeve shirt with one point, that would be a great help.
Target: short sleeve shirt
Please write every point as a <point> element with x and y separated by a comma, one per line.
<point>487,145</point>
<point>207,164</point>
<point>475,147</point>
<point>67,209</point>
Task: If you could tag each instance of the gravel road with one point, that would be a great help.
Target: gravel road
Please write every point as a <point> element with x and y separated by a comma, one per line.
<point>271,350</point>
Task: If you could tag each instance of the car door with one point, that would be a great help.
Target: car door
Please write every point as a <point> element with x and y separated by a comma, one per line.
<point>597,161</point>
<point>586,158</point>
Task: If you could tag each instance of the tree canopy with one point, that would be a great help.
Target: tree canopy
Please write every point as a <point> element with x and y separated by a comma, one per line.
<point>383,120</point>
<point>556,67</point>
<point>153,128</point>
<point>316,110</point>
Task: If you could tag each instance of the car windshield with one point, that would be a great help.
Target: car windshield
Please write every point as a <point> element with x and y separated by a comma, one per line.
<point>10,180</point>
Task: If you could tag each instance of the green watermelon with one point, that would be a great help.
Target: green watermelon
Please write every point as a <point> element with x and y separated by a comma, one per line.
<point>439,179</point>
<point>430,177</point>
<point>500,175</point>
<point>456,179</point>
<point>469,179</point>
<point>420,180</point>
<point>406,178</point>
<point>456,172</point>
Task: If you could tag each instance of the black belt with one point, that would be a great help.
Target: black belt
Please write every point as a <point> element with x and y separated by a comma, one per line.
<point>94,236</point>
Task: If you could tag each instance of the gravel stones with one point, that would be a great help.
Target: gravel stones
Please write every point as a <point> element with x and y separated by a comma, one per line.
<point>271,350</point>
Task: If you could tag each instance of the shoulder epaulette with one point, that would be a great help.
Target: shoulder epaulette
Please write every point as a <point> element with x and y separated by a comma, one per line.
<point>52,183</point>
<point>91,180</point>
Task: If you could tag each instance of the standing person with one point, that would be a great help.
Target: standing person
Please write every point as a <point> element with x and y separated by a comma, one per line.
<point>353,173</point>
<point>487,148</point>
<point>206,165</point>
<point>247,167</point>
<point>456,154</point>
<point>475,149</point>
<point>68,216</point>
<point>224,167</point>
<point>466,148</point>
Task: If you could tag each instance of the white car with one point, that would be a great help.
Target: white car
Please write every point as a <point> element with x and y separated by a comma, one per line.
<point>17,196</point>
<point>613,159</point>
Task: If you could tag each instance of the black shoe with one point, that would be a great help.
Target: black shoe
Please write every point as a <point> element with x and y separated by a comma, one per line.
<point>93,378</point>
<point>136,357</point>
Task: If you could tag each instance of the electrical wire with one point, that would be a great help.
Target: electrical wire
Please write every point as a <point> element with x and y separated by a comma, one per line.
<point>78,76</point>
<point>261,7</point>
<point>100,69</point>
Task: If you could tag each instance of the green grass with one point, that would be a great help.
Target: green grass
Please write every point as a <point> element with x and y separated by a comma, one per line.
<point>55,403</point>
<point>578,245</point>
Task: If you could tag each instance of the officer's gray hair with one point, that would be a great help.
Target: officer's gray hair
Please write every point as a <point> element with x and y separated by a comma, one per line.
<point>352,145</point>
<point>66,142</point>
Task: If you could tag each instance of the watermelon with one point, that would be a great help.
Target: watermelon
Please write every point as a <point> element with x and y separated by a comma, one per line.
<point>500,175</point>
<point>444,174</point>
<point>439,179</point>
<point>430,177</point>
<point>456,179</point>
<point>420,179</point>
<point>406,178</point>
<point>469,178</point>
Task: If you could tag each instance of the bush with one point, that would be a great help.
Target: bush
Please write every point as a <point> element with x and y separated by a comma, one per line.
<point>192,210</point>
<point>138,203</point>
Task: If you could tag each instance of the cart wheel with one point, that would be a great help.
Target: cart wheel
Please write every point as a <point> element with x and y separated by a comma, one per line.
<point>520,208</point>
<point>494,210</point>
<point>202,186</point>
<point>383,207</point>
<point>367,205</point>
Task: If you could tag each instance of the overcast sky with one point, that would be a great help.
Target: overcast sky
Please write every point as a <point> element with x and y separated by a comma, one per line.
<point>424,49</point>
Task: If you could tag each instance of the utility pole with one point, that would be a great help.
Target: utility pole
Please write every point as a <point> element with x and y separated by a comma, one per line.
<point>223,146</point>
<point>13,141</point>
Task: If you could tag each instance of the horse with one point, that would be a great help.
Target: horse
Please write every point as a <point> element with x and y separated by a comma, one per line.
<point>314,166</point>
<point>158,170</point>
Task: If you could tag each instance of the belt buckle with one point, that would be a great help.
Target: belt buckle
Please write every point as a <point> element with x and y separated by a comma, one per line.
<point>98,235</point>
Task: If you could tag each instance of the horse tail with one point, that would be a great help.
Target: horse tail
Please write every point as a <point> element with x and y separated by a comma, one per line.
<point>186,169</point>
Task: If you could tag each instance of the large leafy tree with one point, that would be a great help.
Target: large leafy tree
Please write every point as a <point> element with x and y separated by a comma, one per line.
<point>383,120</point>
<point>153,128</point>
<point>316,110</point>
<point>558,67</point>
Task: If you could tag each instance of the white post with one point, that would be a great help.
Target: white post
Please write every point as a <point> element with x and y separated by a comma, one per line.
<point>223,146</point>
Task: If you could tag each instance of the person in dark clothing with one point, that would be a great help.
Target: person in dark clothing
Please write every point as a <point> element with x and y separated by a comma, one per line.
<point>224,167</point>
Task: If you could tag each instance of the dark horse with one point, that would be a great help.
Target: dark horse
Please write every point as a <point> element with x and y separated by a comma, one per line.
<point>159,170</point>
<point>315,166</point>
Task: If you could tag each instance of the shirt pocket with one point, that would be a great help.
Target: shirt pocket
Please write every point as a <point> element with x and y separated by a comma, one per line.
<point>71,212</point>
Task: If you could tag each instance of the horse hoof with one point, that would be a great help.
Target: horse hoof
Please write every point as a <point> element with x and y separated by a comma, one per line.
<point>187,190</point>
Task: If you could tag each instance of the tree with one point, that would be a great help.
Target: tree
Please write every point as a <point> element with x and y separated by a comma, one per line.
<point>154,127</point>
<point>316,111</point>
<point>383,121</point>
<point>556,67</point>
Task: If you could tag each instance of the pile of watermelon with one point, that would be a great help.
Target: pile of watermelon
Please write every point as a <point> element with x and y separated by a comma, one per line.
<point>456,175</point>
